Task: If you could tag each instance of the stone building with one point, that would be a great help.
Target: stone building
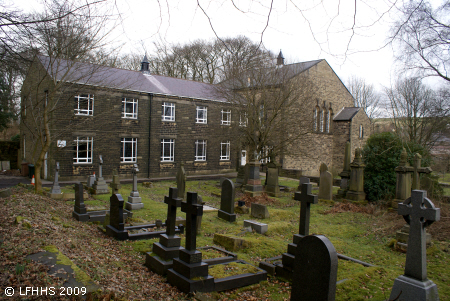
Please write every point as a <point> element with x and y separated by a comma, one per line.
<point>132,117</point>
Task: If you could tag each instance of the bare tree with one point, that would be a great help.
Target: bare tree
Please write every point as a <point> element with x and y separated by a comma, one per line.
<point>365,96</point>
<point>423,37</point>
<point>419,113</point>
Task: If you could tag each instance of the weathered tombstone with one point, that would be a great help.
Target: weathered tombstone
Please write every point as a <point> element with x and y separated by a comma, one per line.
<point>116,227</point>
<point>134,200</point>
<point>272,187</point>
<point>326,183</point>
<point>79,209</point>
<point>315,270</point>
<point>428,184</point>
<point>403,186</point>
<point>418,170</point>
<point>240,170</point>
<point>356,187</point>
<point>301,181</point>
<point>181,181</point>
<point>345,174</point>
<point>90,180</point>
<point>419,212</point>
<point>259,211</point>
<point>189,265</point>
<point>169,243</point>
<point>253,185</point>
<point>226,211</point>
<point>56,190</point>
<point>100,186</point>
<point>115,184</point>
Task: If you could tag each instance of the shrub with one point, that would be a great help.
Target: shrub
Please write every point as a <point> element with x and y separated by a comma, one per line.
<point>381,156</point>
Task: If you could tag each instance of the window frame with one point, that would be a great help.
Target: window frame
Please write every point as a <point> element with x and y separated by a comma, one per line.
<point>90,105</point>
<point>170,117</point>
<point>134,102</point>
<point>204,119</point>
<point>227,120</point>
<point>245,122</point>
<point>171,143</point>
<point>89,150</point>
<point>200,145</point>
<point>123,149</point>
<point>361,131</point>
<point>227,145</point>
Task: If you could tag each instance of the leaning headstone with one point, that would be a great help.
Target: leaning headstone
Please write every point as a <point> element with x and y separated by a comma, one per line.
<point>116,227</point>
<point>403,186</point>
<point>326,183</point>
<point>100,186</point>
<point>253,185</point>
<point>134,200</point>
<point>419,212</point>
<point>189,272</point>
<point>55,192</point>
<point>79,210</point>
<point>272,187</point>
<point>168,246</point>
<point>226,211</point>
<point>345,174</point>
<point>181,181</point>
<point>259,211</point>
<point>115,184</point>
<point>315,270</point>
<point>356,187</point>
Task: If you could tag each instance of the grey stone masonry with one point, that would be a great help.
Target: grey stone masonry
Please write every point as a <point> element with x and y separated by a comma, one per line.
<point>356,187</point>
<point>56,190</point>
<point>257,226</point>
<point>345,174</point>
<point>134,200</point>
<point>226,211</point>
<point>419,212</point>
<point>100,186</point>
<point>326,183</point>
<point>315,270</point>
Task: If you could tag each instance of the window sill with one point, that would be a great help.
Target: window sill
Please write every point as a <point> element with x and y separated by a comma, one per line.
<point>82,163</point>
<point>130,118</point>
<point>84,115</point>
<point>165,120</point>
<point>128,162</point>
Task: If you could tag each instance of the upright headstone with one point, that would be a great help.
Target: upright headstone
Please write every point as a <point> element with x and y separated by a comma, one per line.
<point>419,212</point>
<point>116,227</point>
<point>168,246</point>
<point>403,186</point>
<point>134,200</point>
<point>79,209</point>
<point>56,190</point>
<point>345,174</point>
<point>253,185</point>
<point>315,270</point>
<point>326,183</point>
<point>356,187</point>
<point>181,181</point>
<point>301,181</point>
<point>115,184</point>
<point>418,170</point>
<point>100,186</point>
<point>226,211</point>
<point>272,188</point>
<point>90,180</point>
<point>240,168</point>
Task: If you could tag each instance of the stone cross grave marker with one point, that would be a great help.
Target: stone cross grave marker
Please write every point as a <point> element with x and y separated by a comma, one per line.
<point>226,211</point>
<point>326,183</point>
<point>419,212</point>
<point>192,210</point>
<point>173,202</point>
<point>418,170</point>
<point>315,270</point>
<point>306,199</point>
<point>79,207</point>
<point>55,188</point>
<point>115,184</point>
<point>134,200</point>
<point>100,164</point>
<point>181,181</point>
<point>100,186</point>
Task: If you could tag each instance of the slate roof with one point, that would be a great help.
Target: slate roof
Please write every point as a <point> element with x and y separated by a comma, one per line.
<point>101,76</point>
<point>346,114</point>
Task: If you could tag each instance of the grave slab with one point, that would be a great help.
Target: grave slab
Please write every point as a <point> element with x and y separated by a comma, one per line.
<point>257,226</point>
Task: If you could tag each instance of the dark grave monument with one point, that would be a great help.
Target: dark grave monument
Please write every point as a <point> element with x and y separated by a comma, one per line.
<point>345,174</point>
<point>272,187</point>
<point>99,186</point>
<point>134,200</point>
<point>226,211</point>
<point>55,192</point>
<point>419,212</point>
<point>168,246</point>
<point>315,270</point>
<point>253,184</point>
<point>356,188</point>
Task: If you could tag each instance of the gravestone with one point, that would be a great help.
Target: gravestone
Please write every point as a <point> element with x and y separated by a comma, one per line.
<point>168,246</point>
<point>253,182</point>
<point>326,183</point>
<point>259,228</point>
<point>272,187</point>
<point>90,180</point>
<point>306,198</point>
<point>79,209</point>
<point>419,212</point>
<point>301,181</point>
<point>403,186</point>
<point>345,174</point>
<point>356,188</point>
<point>226,211</point>
<point>259,211</point>
<point>189,265</point>
<point>56,190</point>
<point>418,170</point>
<point>181,181</point>
<point>115,184</point>
<point>134,200</point>
<point>116,227</point>
<point>100,186</point>
<point>315,270</point>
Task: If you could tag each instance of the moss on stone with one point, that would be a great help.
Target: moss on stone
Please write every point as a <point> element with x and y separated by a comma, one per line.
<point>231,269</point>
<point>19,219</point>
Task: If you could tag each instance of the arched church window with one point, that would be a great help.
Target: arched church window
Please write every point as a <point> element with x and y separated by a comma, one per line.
<point>316,116</point>
<point>327,121</point>
<point>321,120</point>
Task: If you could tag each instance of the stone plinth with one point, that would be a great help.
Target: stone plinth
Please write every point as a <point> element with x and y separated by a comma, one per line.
<point>253,186</point>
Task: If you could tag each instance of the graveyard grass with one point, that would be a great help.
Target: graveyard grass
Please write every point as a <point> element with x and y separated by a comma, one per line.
<point>118,266</point>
